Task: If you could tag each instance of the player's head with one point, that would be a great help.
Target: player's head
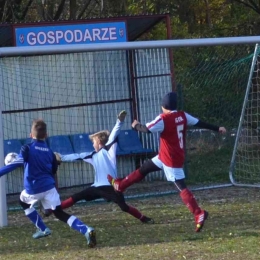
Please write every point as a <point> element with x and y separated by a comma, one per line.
<point>99,139</point>
<point>169,102</point>
<point>39,129</point>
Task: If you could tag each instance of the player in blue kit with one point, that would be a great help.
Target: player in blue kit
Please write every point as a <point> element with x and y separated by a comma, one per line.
<point>40,166</point>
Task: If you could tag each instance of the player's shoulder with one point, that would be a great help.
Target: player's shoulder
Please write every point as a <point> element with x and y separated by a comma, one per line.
<point>173,113</point>
<point>181,112</point>
<point>26,147</point>
<point>159,117</point>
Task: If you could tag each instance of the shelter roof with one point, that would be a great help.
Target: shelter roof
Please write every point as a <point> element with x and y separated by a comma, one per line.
<point>136,25</point>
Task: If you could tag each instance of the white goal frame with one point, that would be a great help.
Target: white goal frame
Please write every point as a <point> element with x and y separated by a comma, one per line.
<point>64,49</point>
<point>233,159</point>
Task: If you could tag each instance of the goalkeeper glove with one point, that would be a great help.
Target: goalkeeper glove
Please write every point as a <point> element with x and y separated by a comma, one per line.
<point>122,115</point>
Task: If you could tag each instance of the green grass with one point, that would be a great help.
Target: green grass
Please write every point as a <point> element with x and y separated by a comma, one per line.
<point>231,232</point>
<point>210,167</point>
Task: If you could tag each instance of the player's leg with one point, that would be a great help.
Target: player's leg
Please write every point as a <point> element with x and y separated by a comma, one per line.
<point>134,177</point>
<point>177,176</point>
<point>77,225</point>
<point>189,200</point>
<point>108,193</point>
<point>87,194</point>
<point>45,212</point>
<point>26,201</point>
<point>52,200</point>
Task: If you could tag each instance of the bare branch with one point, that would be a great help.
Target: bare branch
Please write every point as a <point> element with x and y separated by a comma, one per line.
<point>60,10</point>
<point>24,12</point>
<point>84,9</point>
<point>253,6</point>
<point>26,9</point>
<point>2,8</point>
<point>88,14</point>
<point>73,9</point>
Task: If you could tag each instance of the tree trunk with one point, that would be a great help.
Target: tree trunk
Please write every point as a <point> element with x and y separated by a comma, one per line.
<point>2,9</point>
<point>208,18</point>
<point>6,11</point>
<point>73,9</point>
<point>123,7</point>
<point>49,11</point>
<point>187,14</point>
<point>41,11</point>
<point>60,10</point>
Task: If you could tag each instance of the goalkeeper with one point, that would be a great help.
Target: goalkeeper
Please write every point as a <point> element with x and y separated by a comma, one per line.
<point>172,126</point>
<point>103,159</point>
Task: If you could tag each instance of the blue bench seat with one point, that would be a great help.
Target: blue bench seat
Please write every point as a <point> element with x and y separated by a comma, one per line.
<point>81,143</point>
<point>12,146</point>
<point>129,143</point>
<point>60,144</point>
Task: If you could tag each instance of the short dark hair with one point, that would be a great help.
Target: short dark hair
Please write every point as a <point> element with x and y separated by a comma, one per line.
<point>169,101</point>
<point>39,129</point>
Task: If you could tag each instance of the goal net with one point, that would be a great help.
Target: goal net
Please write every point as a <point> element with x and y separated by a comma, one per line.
<point>245,164</point>
<point>78,94</point>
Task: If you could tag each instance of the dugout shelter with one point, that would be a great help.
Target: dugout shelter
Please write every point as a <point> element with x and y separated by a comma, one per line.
<point>80,93</point>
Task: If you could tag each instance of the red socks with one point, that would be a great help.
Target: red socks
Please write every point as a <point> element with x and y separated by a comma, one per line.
<point>135,212</point>
<point>132,178</point>
<point>189,200</point>
<point>67,203</point>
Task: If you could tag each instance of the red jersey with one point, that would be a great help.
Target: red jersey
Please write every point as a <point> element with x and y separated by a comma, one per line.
<point>172,128</point>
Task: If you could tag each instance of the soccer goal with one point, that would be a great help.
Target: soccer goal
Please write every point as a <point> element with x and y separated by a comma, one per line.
<point>245,163</point>
<point>78,90</point>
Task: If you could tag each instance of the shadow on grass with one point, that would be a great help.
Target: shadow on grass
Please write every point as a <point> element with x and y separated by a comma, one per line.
<point>233,221</point>
<point>174,225</point>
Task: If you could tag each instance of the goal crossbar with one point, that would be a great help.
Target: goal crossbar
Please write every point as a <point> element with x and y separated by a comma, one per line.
<point>58,49</point>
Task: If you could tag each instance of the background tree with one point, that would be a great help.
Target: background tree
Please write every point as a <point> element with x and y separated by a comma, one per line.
<point>197,18</point>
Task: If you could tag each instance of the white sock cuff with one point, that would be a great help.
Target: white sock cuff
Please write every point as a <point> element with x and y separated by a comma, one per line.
<point>71,220</point>
<point>29,211</point>
<point>141,216</point>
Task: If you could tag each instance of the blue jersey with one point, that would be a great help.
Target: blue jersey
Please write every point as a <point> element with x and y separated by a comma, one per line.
<point>40,165</point>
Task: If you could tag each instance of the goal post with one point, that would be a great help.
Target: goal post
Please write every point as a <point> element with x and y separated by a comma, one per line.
<point>245,162</point>
<point>3,204</point>
<point>79,89</point>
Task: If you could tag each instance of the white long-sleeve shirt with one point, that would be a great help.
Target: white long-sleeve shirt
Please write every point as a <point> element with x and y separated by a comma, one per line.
<point>104,161</point>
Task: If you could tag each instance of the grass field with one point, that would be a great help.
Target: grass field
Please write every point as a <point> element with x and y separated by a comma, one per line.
<point>231,232</point>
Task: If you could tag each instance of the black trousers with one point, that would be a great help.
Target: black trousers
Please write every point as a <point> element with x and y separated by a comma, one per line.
<point>102,192</point>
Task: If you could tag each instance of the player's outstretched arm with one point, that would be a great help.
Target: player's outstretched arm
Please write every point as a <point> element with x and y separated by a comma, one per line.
<point>116,129</point>
<point>192,121</point>
<point>220,129</point>
<point>8,168</point>
<point>58,158</point>
<point>121,116</point>
<point>136,125</point>
<point>12,165</point>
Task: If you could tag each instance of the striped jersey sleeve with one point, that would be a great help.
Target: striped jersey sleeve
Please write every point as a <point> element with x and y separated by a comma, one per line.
<point>191,120</point>
<point>157,125</point>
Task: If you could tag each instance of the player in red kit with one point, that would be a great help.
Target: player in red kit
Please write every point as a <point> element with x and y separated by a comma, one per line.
<point>172,126</point>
